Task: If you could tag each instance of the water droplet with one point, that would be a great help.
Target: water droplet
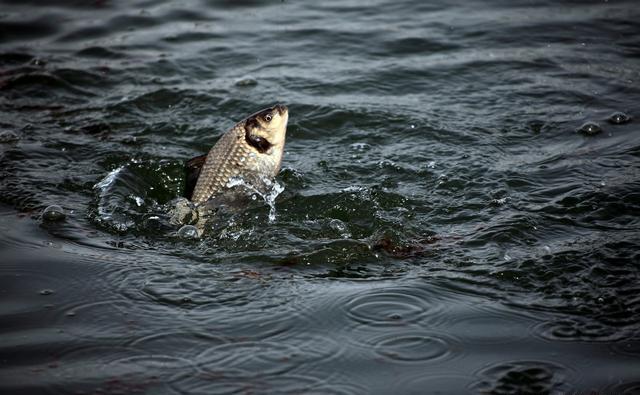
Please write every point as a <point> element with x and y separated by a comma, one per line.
<point>139,200</point>
<point>499,202</point>
<point>235,181</point>
<point>53,213</point>
<point>590,128</point>
<point>38,62</point>
<point>46,292</point>
<point>270,199</point>
<point>188,232</point>
<point>619,118</point>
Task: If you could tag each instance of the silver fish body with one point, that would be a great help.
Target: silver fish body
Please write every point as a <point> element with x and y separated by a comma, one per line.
<point>250,153</point>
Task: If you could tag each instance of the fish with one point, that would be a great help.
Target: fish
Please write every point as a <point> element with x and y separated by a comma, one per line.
<point>249,153</point>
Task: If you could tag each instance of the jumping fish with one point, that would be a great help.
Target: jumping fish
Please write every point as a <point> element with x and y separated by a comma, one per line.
<point>249,153</point>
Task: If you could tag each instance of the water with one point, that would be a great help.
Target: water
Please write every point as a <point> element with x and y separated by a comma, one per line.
<point>448,223</point>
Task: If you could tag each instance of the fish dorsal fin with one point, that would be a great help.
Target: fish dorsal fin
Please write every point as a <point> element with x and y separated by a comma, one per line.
<point>192,169</point>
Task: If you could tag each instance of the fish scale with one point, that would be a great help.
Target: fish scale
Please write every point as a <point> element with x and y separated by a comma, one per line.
<point>251,150</point>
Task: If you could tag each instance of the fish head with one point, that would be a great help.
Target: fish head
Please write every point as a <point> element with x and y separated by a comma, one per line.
<point>267,128</point>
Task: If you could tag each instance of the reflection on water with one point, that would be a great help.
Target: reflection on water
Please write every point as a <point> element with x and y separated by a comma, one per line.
<point>458,207</point>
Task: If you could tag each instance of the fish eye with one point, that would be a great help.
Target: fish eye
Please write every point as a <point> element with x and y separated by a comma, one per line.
<point>268,117</point>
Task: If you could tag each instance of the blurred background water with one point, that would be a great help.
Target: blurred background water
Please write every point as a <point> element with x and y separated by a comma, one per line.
<point>460,212</point>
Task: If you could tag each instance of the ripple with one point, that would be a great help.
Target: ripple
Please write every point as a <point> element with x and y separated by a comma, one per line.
<point>628,346</point>
<point>313,349</point>
<point>572,329</point>
<point>179,344</point>
<point>412,347</point>
<point>251,358</point>
<point>631,387</point>
<point>489,326</point>
<point>388,307</point>
<point>107,320</point>
<point>453,120</point>
<point>523,377</point>
<point>436,383</point>
<point>156,362</point>
<point>241,303</point>
<point>232,382</point>
<point>117,369</point>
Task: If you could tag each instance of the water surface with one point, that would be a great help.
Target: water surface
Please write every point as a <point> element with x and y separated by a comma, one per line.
<point>445,226</point>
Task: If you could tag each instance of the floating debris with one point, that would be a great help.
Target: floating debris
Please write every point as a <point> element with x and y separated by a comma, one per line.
<point>619,118</point>
<point>53,213</point>
<point>590,128</point>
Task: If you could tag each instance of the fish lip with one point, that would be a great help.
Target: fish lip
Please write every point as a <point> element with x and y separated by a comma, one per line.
<point>282,109</point>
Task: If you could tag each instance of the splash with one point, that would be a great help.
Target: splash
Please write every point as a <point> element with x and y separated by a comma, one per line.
<point>105,212</point>
<point>274,189</point>
<point>109,179</point>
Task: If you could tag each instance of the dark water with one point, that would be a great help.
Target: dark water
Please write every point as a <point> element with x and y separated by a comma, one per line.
<point>444,226</point>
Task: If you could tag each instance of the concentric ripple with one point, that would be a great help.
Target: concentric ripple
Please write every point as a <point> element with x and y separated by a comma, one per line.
<point>412,347</point>
<point>523,377</point>
<point>436,383</point>
<point>460,212</point>
<point>233,382</point>
<point>388,307</point>
<point>251,358</point>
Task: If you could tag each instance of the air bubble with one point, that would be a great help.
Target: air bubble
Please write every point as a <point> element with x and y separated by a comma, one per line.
<point>590,128</point>
<point>619,118</point>
<point>53,213</point>
<point>188,232</point>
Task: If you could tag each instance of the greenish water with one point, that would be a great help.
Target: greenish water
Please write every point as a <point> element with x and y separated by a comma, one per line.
<point>447,223</point>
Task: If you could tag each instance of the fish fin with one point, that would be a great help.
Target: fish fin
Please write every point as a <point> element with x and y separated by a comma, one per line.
<point>192,169</point>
